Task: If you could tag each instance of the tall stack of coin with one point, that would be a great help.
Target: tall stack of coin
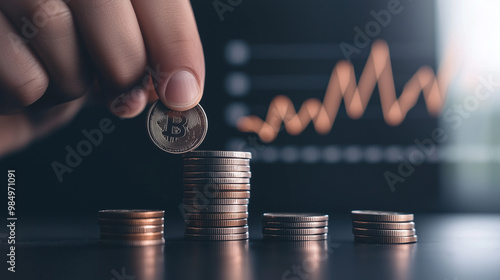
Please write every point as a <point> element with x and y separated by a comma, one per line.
<point>216,194</point>
<point>132,227</point>
<point>295,226</point>
<point>383,227</point>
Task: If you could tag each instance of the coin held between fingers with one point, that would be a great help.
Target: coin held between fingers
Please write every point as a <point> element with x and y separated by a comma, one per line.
<point>174,131</point>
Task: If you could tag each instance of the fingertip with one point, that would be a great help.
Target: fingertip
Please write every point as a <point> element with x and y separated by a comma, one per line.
<point>129,104</point>
<point>181,91</point>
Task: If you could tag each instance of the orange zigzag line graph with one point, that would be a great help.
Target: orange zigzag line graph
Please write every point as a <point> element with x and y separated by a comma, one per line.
<point>342,85</point>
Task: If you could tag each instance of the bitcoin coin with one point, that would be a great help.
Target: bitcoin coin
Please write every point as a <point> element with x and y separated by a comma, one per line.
<point>295,231</point>
<point>309,237</point>
<point>131,214</point>
<point>217,174</point>
<point>216,180</point>
<point>218,154</point>
<point>219,237</point>
<point>174,131</point>
<point>216,168</point>
<point>131,222</point>
<point>131,229</point>
<point>216,161</point>
<point>295,225</point>
<point>216,216</point>
<point>216,194</point>
<point>216,230</point>
<point>216,208</point>
<point>217,223</point>
<point>385,239</point>
<point>383,232</point>
<point>215,201</point>
<point>375,225</point>
<point>207,188</point>
<point>294,217</point>
<point>380,216</point>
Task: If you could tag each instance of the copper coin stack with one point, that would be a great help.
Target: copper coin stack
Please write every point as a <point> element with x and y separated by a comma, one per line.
<point>295,226</point>
<point>216,194</point>
<point>383,227</point>
<point>134,227</point>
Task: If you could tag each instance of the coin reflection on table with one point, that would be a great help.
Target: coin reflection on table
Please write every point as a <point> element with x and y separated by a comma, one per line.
<point>397,258</point>
<point>226,260</point>
<point>134,262</point>
<point>304,260</point>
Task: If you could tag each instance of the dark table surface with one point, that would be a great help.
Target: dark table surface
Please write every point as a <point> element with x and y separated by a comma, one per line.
<point>452,247</point>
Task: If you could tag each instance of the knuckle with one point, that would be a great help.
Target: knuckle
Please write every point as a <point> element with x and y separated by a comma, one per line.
<point>182,35</point>
<point>48,14</point>
<point>128,68</point>
<point>180,40</point>
<point>185,46</point>
<point>75,88</point>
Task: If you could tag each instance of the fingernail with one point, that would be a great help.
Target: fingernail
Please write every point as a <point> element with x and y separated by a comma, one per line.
<point>182,90</point>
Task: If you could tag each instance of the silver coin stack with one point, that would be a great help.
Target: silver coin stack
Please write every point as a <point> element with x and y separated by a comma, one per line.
<point>295,226</point>
<point>131,227</point>
<point>383,227</point>
<point>216,194</point>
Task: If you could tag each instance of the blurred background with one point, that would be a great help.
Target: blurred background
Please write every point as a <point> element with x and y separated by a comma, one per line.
<point>258,50</point>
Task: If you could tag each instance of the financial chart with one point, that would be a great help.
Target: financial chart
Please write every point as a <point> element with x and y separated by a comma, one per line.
<point>334,103</point>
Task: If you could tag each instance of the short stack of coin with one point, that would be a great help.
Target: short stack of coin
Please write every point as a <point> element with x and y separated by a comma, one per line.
<point>216,194</point>
<point>132,227</point>
<point>383,227</point>
<point>295,226</point>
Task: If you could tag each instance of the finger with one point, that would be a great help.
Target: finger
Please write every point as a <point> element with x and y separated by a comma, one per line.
<point>19,130</point>
<point>48,27</point>
<point>22,78</point>
<point>114,41</point>
<point>16,133</point>
<point>47,120</point>
<point>175,52</point>
<point>130,104</point>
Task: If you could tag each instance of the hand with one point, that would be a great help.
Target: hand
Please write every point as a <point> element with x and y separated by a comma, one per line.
<point>54,52</point>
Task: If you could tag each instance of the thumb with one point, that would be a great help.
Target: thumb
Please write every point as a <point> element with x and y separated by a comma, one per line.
<point>176,61</point>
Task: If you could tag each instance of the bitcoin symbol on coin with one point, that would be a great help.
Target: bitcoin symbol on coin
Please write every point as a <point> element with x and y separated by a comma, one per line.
<point>173,126</point>
<point>176,132</point>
